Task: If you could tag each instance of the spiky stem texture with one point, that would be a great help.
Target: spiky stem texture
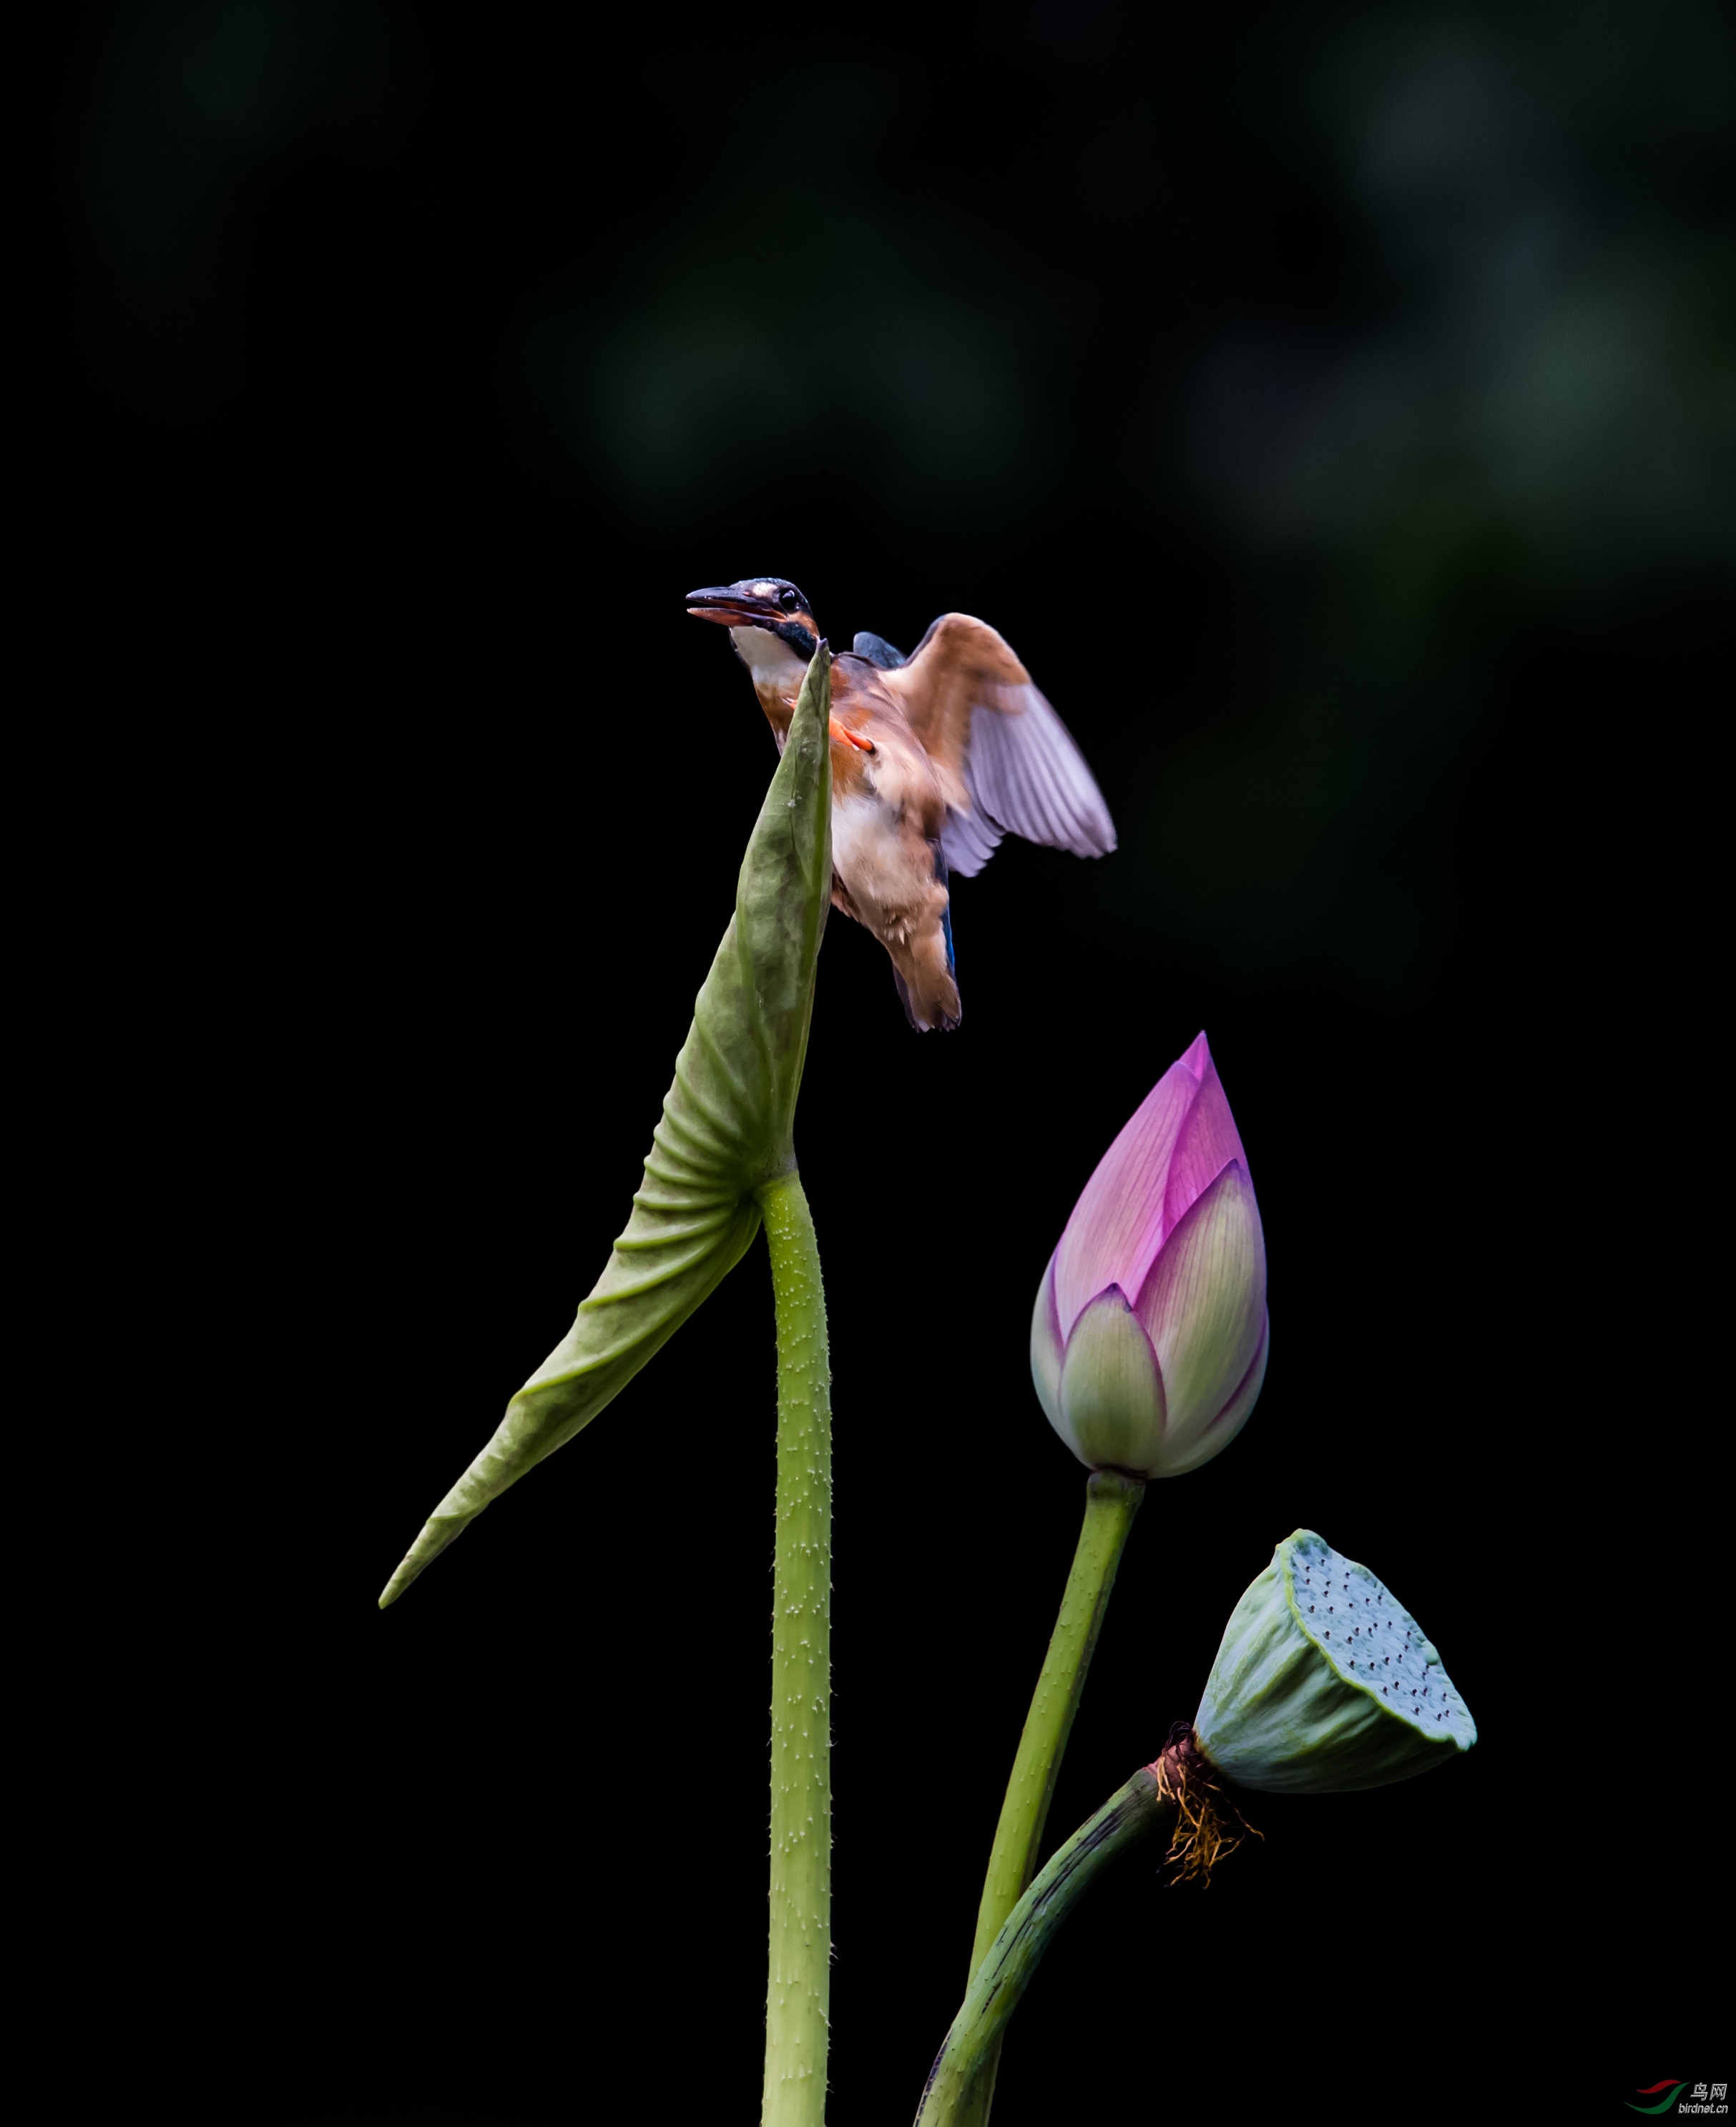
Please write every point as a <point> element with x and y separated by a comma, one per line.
<point>799,1975</point>
<point>1137,1810</point>
<point>1111,1500</point>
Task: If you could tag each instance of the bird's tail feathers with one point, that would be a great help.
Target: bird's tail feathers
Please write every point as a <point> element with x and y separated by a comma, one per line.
<point>942,878</point>
<point>930,1008</point>
<point>926,987</point>
<point>923,964</point>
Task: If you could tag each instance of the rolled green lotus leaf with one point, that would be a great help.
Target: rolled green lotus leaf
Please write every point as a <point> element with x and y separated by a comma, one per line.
<point>1324,1682</point>
<point>728,1127</point>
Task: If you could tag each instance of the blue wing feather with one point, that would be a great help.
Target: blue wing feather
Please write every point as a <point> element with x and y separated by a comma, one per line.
<point>877,650</point>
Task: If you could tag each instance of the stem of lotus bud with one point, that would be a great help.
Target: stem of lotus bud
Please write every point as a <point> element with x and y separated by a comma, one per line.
<point>798,1973</point>
<point>1111,1500</point>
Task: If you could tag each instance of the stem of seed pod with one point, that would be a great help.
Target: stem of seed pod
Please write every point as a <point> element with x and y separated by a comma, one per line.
<point>972,2045</point>
<point>800,1970</point>
<point>1111,1500</point>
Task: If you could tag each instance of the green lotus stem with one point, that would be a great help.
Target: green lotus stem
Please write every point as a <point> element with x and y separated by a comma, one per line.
<point>800,1970</point>
<point>1111,1500</point>
<point>967,2059</point>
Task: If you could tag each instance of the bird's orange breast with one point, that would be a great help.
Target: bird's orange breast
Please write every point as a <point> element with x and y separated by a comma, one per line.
<point>874,753</point>
<point>851,771</point>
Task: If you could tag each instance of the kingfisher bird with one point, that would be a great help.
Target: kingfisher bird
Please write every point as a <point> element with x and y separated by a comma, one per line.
<point>935,757</point>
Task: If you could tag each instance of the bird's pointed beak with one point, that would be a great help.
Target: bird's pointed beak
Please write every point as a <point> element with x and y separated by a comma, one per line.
<point>731,607</point>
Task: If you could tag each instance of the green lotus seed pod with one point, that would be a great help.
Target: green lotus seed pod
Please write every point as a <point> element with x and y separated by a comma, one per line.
<point>1324,1682</point>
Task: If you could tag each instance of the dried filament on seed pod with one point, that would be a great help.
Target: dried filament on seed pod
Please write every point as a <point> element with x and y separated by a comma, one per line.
<point>1209,1825</point>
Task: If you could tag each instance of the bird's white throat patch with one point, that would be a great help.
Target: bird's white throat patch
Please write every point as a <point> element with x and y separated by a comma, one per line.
<point>771,660</point>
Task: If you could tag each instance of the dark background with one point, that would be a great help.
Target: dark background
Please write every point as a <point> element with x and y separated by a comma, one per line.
<point>1333,405</point>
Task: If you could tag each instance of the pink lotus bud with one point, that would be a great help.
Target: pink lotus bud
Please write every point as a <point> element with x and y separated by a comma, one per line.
<point>1148,1345</point>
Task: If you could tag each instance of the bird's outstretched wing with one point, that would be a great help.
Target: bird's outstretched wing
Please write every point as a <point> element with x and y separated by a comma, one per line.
<point>1008,761</point>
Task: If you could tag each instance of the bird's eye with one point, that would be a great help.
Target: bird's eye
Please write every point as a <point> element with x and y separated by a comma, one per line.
<point>789,598</point>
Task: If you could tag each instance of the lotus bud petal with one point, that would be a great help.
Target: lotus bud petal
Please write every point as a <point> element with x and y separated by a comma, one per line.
<point>1111,1394</point>
<point>1324,1682</point>
<point>1165,1240</point>
<point>1204,1308</point>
